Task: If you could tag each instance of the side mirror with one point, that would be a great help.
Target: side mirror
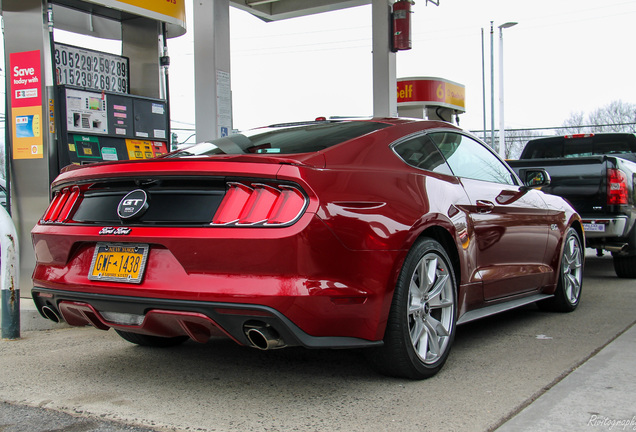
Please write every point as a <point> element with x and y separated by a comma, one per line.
<point>535,177</point>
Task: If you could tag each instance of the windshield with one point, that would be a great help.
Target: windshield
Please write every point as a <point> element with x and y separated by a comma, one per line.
<point>284,139</point>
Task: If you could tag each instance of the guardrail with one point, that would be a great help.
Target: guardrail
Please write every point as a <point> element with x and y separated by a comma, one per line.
<point>9,285</point>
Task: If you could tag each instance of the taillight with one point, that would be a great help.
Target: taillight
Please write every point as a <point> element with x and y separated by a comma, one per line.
<point>62,205</point>
<point>250,204</point>
<point>232,204</point>
<point>616,187</point>
<point>581,135</point>
<point>54,207</point>
<point>287,207</point>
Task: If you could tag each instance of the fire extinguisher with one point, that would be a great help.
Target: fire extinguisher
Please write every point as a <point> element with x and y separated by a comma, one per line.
<point>402,25</point>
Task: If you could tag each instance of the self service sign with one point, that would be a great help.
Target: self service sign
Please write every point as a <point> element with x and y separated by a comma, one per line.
<point>26,104</point>
<point>429,91</point>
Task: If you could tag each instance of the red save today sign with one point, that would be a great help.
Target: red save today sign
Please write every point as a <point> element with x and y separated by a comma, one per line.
<point>26,79</point>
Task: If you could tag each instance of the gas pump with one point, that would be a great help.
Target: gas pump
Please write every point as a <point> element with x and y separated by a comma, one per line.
<point>99,120</point>
<point>108,126</point>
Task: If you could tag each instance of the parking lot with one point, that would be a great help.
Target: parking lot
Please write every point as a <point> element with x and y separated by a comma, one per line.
<point>497,366</point>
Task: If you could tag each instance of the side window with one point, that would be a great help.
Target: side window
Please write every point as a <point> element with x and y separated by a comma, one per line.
<point>422,153</point>
<point>469,158</point>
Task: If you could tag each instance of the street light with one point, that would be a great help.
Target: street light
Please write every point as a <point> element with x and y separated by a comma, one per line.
<point>492,89</point>
<point>502,132</point>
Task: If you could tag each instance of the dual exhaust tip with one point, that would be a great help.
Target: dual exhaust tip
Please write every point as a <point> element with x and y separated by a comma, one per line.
<point>263,337</point>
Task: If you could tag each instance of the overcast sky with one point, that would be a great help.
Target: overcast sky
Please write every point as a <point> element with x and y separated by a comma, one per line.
<point>564,56</point>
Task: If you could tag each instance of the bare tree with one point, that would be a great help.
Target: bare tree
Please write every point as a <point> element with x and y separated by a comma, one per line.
<point>516,140</point>
<point>573,125</point>
<point>2,163</point>
<point>618,116</point>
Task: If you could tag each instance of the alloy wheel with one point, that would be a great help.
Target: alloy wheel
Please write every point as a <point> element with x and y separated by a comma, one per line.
<point>431,308</point>
<point>572,269</point>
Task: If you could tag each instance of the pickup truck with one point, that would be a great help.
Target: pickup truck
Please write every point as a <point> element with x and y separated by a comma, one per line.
<point>596,173</point>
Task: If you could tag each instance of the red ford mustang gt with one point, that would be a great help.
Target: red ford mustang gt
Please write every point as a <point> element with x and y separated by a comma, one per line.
<point>381,233</point>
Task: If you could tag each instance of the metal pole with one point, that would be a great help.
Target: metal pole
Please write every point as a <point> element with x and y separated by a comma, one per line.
<point>164,61</point>
<point>492,91</point>
<point>384,61</point>
<point>483,81</point>
<point>9,285</point>
<point>502,129</point>
<point>502,133</point>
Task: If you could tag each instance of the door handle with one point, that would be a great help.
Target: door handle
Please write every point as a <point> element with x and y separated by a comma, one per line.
<point>484,206</point>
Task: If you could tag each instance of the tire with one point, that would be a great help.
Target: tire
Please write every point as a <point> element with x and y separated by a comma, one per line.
<point>421,323</point>
<point>625,266</point>
<point>568,292</point>
<point>151,341</point>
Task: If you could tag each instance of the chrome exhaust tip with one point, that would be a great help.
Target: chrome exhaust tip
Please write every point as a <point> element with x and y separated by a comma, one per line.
<point>263,337</point>
<point>49,313</point>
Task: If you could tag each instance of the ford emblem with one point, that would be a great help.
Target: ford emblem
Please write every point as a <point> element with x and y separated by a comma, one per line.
<point>133,204</point>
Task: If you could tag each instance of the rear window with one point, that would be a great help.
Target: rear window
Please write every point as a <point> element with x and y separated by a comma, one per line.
<point>562,147</point>
<point>284,139</point>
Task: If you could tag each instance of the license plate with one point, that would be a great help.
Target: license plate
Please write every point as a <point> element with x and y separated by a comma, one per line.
<point>119,262</point>
<point>594,227</point>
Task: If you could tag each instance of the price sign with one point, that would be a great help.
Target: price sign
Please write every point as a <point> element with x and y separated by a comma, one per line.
<point>90,69</point>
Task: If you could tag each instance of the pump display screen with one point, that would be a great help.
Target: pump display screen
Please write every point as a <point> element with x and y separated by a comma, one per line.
<point>86,112</point>
<point>94,103</point>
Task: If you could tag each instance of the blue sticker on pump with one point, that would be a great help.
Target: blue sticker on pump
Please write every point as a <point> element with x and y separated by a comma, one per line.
<point>24,126</point>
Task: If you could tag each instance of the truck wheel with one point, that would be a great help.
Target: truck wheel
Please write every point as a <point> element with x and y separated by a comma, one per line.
<point>625,266</point>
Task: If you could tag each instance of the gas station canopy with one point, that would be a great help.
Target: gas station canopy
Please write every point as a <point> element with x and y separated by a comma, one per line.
<point>273,10</point>
<point>102,18</point>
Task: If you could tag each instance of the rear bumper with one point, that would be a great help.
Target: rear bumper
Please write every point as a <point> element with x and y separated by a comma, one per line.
<point>605,227</point>
<point>170,318</point>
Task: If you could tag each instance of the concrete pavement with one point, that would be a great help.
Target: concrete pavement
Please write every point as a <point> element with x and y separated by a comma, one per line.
<point>20,418</point>
<point>598,395</point>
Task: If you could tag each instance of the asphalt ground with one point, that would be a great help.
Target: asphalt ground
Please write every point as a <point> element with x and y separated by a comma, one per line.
<point>499,369</point>
<point>20,418</point>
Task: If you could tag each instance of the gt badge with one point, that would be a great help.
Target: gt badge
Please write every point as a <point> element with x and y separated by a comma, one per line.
<point>133,204</point>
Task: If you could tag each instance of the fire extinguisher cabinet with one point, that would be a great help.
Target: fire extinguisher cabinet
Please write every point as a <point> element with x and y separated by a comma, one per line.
<point>402,25</point>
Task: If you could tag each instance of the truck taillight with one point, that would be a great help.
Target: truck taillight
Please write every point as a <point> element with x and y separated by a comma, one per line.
<point>259,204</point>
<point>581,135</point>
<point>62,205</point>
<point>616,187</point>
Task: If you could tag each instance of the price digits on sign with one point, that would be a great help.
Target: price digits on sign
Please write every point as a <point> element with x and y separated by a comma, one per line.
<point>91,70</point>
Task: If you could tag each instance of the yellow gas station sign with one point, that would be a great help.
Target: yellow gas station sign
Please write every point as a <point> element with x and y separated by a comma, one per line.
<point>168,11</point>
<point>171,8</point>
